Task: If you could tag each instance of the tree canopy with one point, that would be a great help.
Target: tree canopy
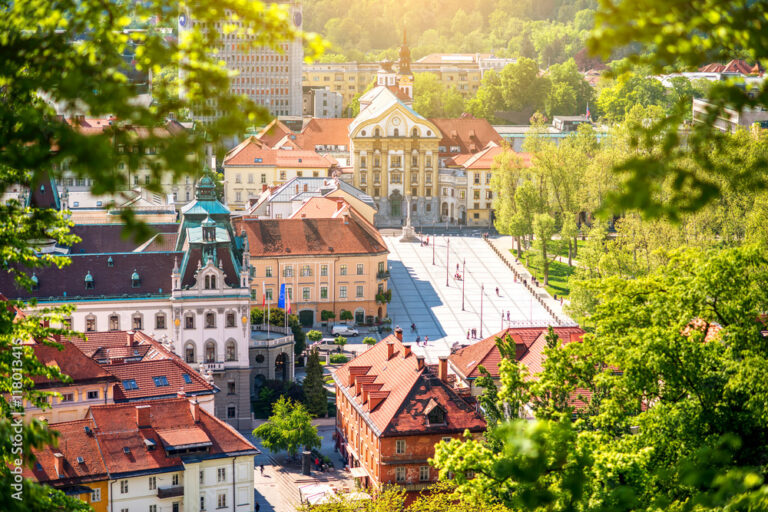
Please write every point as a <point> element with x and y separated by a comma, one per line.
<point>289,428</point>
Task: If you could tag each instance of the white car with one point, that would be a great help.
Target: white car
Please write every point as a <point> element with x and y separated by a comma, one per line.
<point>344,330</point>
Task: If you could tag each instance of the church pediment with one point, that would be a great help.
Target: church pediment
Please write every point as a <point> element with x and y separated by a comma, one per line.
<point>387,116</point>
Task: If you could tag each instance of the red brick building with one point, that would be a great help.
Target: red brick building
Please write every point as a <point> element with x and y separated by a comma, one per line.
<point>391,411</point>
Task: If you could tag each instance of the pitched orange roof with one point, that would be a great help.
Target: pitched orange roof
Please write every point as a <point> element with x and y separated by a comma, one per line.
<point>143,374</point>
<point>530,341</point>
<point>321,208</point>
<point>291,237</point>
<point>468,133</point>
<point>487,157</point>
<point>124,444</point>
<point>325,132</point>
<point>72,362</point>
<point>393,392</point>
<point>73,442</point>
<point>273,132</point>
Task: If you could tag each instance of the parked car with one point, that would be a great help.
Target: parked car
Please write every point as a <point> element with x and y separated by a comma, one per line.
<point>344,330</point>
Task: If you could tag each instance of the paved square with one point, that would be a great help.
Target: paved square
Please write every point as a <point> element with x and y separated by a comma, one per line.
<point>420,295</point>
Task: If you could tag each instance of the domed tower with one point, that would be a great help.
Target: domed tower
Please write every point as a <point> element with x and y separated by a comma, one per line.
<point>404,74</point>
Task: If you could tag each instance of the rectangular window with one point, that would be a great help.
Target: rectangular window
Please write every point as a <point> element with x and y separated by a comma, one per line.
<point>323,270</point>
<point>90,324</point>
<point>202,478</point>
<point>424,473</point>
<point>342,270</point>
<point>359,292</point>
<point>400,447</point>
<point>428,191</point>
<point>268,272</point>
<point>189,322</point>
<point>250,178</point>
<point>360,269</point>
<point>400,474</point>
<point>231,411</point>
<point>123,486</point>
<point>221,474</point>
<point>363,162</point>
<point>175,479</point>
<point>114,323</point>
<point>342,292</point>
<point>95,495</point>
<point>93,395</point>
<point>174,507</point>
<point>221,501</point>
<point>381,266</point>
<point>231,388</point>
<point>202,499</point>
<point>323,292</point>
<point>282,175</point>
<point>269,294</point>
<point>67,397</point>
<point>396,161</point>
<point>288,271</point>
<point>476,194</point>
<point>477,178</point>
<point>305,294</point>
<point>137,323</point>
<point>289,292</point>
<point>263,178</point>
<point>159,321</point>
<point>230,320</point>
<point>363,178</point>
<point>306,271</point>
<point>152,483</point>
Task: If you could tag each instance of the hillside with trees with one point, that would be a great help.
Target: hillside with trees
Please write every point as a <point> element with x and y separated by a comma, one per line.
<point>550,31</point>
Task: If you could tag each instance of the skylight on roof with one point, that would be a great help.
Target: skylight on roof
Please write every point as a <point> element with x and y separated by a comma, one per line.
<point>187,378</point>
<point>160,381</point>
<point>130,384</point>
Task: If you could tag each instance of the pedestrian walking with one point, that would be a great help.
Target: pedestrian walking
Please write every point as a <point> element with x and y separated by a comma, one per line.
<point>413,327</point>
<point>261,467</point>
<point>418,340</point>
<point>258,507</point>
<point>426,340</point>
<point>497,291</point>
<point>467,333</point>
<point>507,315</point>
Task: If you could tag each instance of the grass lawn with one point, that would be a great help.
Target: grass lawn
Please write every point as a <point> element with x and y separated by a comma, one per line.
<point>563,250</point>
<point>559,274</point>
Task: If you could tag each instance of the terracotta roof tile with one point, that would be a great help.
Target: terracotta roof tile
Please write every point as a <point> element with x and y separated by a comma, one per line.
<point>117,430</point>
<point>321,208</point>
<point>404,390</point>
<point>144,372</point>
<point>470,134</point>
<point>531,341</point>
<point>73,442</point>
<point>283,237</point>
<point>72,362</point>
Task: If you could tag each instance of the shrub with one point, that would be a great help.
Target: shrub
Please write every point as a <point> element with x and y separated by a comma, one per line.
<point>338,358</point>
<point>314,335</point>
<point>369,340</point>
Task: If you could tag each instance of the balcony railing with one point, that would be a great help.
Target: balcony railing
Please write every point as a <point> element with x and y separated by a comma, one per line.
<point>213,366</point>
<point>382,274</point>
<point>171,491</point>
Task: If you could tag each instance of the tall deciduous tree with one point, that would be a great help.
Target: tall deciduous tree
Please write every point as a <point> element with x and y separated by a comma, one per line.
<point>289,428</point>
<point>431,98</point>
<point>544,229</point>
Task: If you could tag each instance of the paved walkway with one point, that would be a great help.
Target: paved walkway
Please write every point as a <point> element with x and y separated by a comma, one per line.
<point>420,294</point>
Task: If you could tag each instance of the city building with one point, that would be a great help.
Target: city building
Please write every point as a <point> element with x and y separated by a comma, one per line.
<point>271,78</point>
<point>160,455</point>
<point>321,102</point>
<point>730,120</point>
<point>461,71</point>
<point>561,127</point>
<point>284,201</point>
<point>326,264</point>
<point>250,168</point>
<point>391,411</point>
<point>189,284</point>
<point>529,342</point>
<point>271,354</point>
<point>326,136</point>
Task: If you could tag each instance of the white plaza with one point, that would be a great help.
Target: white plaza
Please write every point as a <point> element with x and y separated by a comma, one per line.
<point>420,295</point>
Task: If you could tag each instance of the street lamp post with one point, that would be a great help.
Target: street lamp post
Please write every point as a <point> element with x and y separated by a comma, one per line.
<point>463,281</point>
<point>447,254</point>
<point>482,293</point>
<point>433,249</point>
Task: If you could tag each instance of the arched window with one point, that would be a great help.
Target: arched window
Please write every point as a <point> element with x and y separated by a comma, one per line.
<point>396,132</point>
<point>210,351</point>
<point>35,282</point>
<point>415,160</point>
<point>137,322</point>
<point>88,281</point>
<point>114,323</point>
<point>230,353</point>
<point>230,320</point>
<point>135,279</point>
<point>210,320</point>
<point>415,132</point>
<point>189,352</point>
<point>377,132</point>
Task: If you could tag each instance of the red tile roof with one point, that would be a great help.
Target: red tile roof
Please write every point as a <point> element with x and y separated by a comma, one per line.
<point>291,237</point>
<point>273,132</point>
<point>321,208</point>
<point>174,437</point>
<point>143,372</point>
<point>252,155</point>
<point>392,393</point>
<point>117,429</point>
<point>530,340</point>
<point>487,157</point>
<point>470,134</point>
<point>72,362</point>
<point>73,442</point>
<point>734,66</point>
<point>325,132</point>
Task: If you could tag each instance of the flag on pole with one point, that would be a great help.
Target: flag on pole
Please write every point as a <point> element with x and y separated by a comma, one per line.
<point>281,299</point>
<point>263,295</point>
<point>588,116</point>
<point>287,304</point>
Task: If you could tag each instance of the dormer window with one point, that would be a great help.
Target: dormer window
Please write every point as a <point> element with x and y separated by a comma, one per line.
<point>110,262</point>
<point>135,279</point>
<point>435,413</point>
<point>88,281</point>
<point>209,230</point>
<point>210,282</point>
<point>35,282</point>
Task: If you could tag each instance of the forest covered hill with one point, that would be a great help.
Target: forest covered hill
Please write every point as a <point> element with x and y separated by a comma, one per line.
<point>549,31</point>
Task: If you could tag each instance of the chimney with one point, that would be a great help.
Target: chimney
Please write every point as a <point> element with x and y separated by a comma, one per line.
<point>194,407</point>
<point>399,333</point>
<point>58,463</point>
<point>181,394</point>
<point>391,347</point>
<point>407,351</point>
<point>142,416</point>
<point>130,338</point>
<point>419,362</point>
<point>442,369</point>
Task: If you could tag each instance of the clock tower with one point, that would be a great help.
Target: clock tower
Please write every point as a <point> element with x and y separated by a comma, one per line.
<point>404,74</point>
